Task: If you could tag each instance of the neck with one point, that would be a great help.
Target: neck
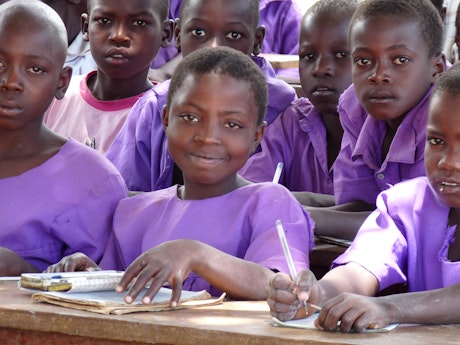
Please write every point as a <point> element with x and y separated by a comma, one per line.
<point>199,191</point>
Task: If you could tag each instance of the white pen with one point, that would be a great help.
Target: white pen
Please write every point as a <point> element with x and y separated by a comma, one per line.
<point>279,169</point>
<point>290,262</point>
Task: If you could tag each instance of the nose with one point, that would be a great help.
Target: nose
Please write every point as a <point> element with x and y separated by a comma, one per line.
<point>208,133</point>
<point>323,67</point>
<point>214,42</point>
<point>119,35</point>
<point>450,160</point>
<point>10,80</point>
<point>379,74</point>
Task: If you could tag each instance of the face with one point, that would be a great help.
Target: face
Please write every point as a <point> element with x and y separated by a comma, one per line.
<point>212,130</point>
<point>31,74</point>
<point>212,23</point>
<point>324,60</point>
<point>125,36</point>
<point>442,148</point>
<point>392,69</point>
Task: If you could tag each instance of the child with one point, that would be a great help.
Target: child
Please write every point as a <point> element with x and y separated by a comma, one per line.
<point>57,196</point>
<point>279,17</point>
<point>307,136</point>
<point>139,151</point>
<point>411,238</point>
<point>124,36</point>
<point>217,225</point>
<point>396,53</point>
<point>78,53</point>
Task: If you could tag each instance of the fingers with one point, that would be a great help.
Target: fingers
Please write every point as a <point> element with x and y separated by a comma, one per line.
<point>305,281</point>
<point>282,301</point>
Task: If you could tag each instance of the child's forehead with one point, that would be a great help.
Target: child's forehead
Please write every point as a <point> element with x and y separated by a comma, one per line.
<point>124,6</point>
<point>222,8</point>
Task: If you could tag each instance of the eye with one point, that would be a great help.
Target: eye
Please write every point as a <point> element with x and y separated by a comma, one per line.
<point>342,55</point>
<point>103,21</point>
<point>35,70</point>
<point>189,118</point>
<point>233,125</point>
<point>198,32</point>
<point>307,56</point>
<point>363,61</point>
<point>233,35</point>
<point>140,23</point>
<point>401,60</point>
<point>435,141</point>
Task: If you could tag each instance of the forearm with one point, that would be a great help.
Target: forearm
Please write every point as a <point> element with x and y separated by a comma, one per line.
<point>428,307</point>
<point>240,279</point>
<point>309,199</point>
<point>12,264</point>
<point>351,278</point>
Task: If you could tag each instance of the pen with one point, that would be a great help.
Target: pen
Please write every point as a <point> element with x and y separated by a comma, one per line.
<point>290,262</point>
<point>279,169</point>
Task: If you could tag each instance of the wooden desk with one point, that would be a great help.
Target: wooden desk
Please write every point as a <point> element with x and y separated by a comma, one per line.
<point>22,322</point>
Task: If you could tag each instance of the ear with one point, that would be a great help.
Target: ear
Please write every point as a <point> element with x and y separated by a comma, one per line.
<point>439,66</point>
<point>167,33</point>
<point>84,26</point>
<point>177,32</point>
<point>164,117</point>
<point>259,40</point>
<point>259,134</point>
<point>64,80</point>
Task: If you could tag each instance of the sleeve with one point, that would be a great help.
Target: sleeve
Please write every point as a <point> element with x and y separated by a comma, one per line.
<point>265,246</point>
<point>130,151</point>
<point>380,245</point>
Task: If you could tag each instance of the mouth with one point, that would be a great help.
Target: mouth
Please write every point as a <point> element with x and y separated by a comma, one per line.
<point>322,91</point>
<point>449,187</point>
<point>10,110</point>
<point>380,97</point>
<point>117,54</point>
<point>207,159</point>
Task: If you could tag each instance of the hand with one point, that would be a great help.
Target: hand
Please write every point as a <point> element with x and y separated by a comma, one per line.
<point>168,262</point>
<point>72,263</point>
<point>355,312</point>
<point>285,296</point>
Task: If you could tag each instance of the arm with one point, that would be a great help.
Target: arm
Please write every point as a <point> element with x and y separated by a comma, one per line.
<point>11,264</point>
<point>172,261</point>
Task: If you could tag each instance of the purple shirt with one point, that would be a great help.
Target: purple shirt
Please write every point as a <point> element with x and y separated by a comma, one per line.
<point>360,173</point>
<point>64,205</point>
<point>240,223</point>
<point>298,139</point>
<point>406,240</point>
<point>140,150</point>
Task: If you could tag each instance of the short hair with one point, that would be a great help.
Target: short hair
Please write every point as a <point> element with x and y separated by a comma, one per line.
<point>223,61</point>
<point>253,10</point>
<point>163,5</point>
<point>40,14</point>
<point>328,7</point>
<point>449,82</point>
<point>421,11</point>
<point>438,4</point>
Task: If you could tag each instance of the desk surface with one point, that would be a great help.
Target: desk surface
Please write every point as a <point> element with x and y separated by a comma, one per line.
<point>23,322</point>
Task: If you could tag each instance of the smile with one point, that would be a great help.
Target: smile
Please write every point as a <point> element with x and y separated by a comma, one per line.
<point>10,110</point>
<point>447,187</point>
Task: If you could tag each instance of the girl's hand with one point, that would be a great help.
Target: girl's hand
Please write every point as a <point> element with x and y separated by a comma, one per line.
<point>168,262</point>
<point>285,296</point>
<point>72,263</point>
<point>354,312</point>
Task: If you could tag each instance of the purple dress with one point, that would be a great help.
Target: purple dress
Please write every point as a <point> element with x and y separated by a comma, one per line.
<point>360,172</point>
<point>64,205</point>
<point>140,150</point>
<point>240,223</point>
<point>298,139</point>
<point>406,240</point>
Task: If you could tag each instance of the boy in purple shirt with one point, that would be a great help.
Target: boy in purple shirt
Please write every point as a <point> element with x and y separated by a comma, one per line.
<point>57,196</point>
<point>217,231</point>
<point>396,49</point>
<point>139,151</point>
<point>306,137</point>
<point>411,239</point>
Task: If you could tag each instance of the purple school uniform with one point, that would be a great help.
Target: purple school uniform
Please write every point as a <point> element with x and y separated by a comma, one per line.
<point>140,151</point>
<point>240,223</point>
<point>360,173</point>
<point>298,139</point>
<point>64,205</point>
<point>406,240</point>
